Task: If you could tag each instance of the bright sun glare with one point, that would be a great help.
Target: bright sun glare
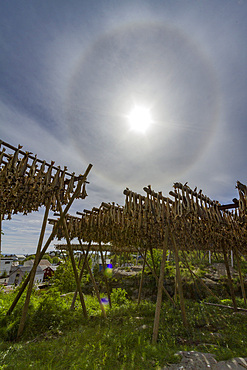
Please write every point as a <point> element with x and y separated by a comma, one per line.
<point>140,119</point>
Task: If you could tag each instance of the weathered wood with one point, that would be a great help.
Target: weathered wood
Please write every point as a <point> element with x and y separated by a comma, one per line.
<point>159,294</point>
<point>240,275</point>
<point>73,261</point>
<point>142,277</point>
<point>0,236</point>
<point>80,277</point>
<point>94,283</point>
<point>41,161</point>
<point>198,278</point>
<point>224,306</point>
<point>48,242</point>
<point>105,277</point>
<point>229,277</point>
<point>157,279</point>
<point>33,271</point>
<point>179,282</point>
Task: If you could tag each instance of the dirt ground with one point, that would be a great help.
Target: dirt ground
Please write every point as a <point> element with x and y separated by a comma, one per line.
<point>203,361</point>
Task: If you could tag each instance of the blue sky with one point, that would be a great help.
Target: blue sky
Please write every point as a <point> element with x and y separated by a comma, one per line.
<point>72,71</point>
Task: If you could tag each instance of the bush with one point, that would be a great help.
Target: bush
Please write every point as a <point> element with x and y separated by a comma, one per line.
<point>64,279</point>
<point>49,313</point>
<point>118,297</point>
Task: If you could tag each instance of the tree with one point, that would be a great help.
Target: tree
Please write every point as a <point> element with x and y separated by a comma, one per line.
<point>64,279</point>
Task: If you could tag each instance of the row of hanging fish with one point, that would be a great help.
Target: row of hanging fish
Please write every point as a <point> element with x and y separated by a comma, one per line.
<point>196,221</point>
<point>26,183</point>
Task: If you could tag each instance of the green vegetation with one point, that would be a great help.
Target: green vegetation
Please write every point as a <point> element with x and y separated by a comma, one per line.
<point>64,280</point>
<point>57,338</point>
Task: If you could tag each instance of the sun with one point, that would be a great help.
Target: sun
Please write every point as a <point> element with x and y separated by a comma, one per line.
<point>140,119</point>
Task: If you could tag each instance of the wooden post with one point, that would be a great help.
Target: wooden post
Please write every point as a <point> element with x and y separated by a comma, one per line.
<point>209,257</point>
<point>94,282</point>
<point>185,262</point>
<point>197,277</point>
<point>152,257</point>
<point>159,294</point>
<point>0,236</point>
<point>72,260</point>
<point>33,271</point>
<point>232,258</point>
<point>105,277</point>
<point>80,277</point>
<point>240,275</point>
<point>229,276</point>
<point>157,280</point>
<point>142,277</point>
<point>51,237</point>
<point>179,282</point>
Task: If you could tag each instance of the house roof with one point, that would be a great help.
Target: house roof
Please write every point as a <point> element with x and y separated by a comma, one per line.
<point>20,256</point>
<point>26,269</point>
<point>50,267</point>
<point>44,263</point>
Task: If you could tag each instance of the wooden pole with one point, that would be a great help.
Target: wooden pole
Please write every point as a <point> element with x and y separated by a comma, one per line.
<point>197,277</point>
<point>72,260</point>
<point>159,294</point>
<point>157,280</point>
<point>80,277</point>
<point>0,236</point>
<point>33,271</point>
<point>93,281</point>
<point>179,282</point>
<point>152,257</point>
<point>240,275</point>
<point>51,237</point>
<point>105,277</point>
<point>191,272</point>
<point>229,276</point>
<point>142,278</point>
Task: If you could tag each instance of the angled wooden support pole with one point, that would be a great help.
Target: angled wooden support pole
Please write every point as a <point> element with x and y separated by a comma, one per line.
<point>0,236</point>
<point>179,282</point>
<point>198,278</point>
<point>229,276</point>
<point>240,274</point>
<point>80,276</point>
<point>159,294</point>
<point>152,258</point>
<point>156,278</point>
<point>51,237</point>
<point>33,271</point>
<point>142,278</point>
<point>93,281</point>
<point>105,277</point>
<point>71,254</point>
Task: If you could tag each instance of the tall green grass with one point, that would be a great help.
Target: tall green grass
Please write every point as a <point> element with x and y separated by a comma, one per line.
<point>57,338</point>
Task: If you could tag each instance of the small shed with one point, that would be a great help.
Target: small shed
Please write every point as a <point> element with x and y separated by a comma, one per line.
<point>49,272</point>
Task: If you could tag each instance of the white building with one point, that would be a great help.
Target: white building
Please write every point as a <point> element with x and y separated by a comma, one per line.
<point>17,274</point>
<point>6,263</point>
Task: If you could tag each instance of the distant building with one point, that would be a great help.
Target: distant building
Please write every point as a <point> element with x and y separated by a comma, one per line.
<point>43,263</point>
<point>17,274</point>
<point>6,263</point>
<point>49,272</point>
<point>20,257</point>
<point>97,261</point>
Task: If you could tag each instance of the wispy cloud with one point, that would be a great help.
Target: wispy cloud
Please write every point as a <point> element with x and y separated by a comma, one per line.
<point>72,73</point>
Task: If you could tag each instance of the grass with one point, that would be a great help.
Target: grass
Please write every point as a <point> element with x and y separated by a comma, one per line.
<point>57,338</point>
